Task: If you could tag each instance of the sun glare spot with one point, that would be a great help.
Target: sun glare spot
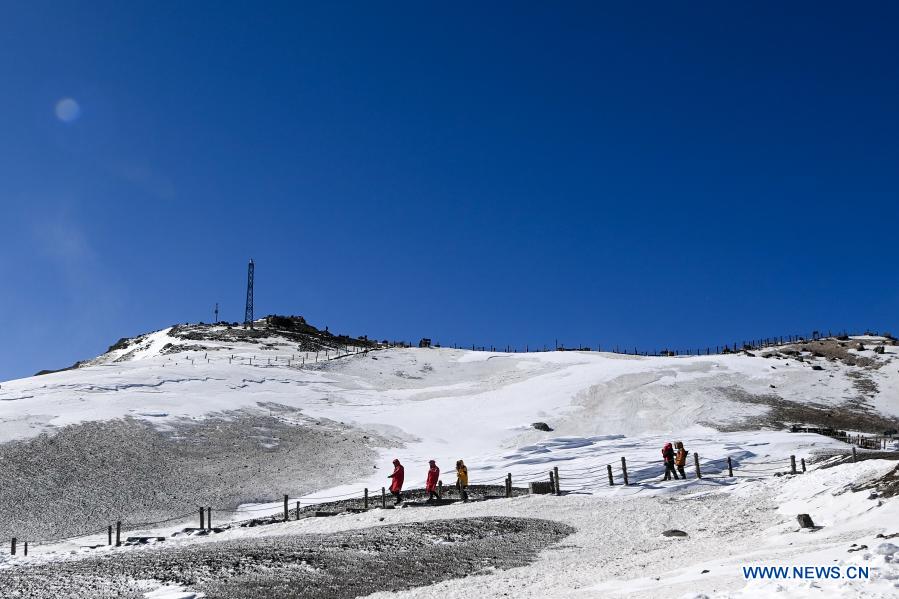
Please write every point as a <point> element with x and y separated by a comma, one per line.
<point>67,110</point>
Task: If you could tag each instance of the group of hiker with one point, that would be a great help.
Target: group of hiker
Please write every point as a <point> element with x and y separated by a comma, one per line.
<point>674,457</point>
<point>674,461</point>
<point>396,487</point>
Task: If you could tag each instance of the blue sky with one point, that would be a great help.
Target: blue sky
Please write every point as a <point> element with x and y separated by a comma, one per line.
<point>493,173</point>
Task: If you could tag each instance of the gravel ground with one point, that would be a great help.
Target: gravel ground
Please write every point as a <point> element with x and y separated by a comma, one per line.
<point>87,476</point>
<point>327,566</point>
<point>853,414</point>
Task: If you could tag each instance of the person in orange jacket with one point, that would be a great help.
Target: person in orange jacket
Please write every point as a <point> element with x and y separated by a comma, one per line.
<point>431,483</point>
<point>462,479</point>
<point>680,459</point>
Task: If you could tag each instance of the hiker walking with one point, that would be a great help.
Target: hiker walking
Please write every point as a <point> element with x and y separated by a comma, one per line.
<point>431,483</point>
<point>680,460</point>
<point>396,487</point>
<point>462,479</point>
<point>668,456</point>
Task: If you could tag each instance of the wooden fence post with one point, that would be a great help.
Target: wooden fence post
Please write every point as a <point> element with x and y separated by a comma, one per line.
<point>26,548</point>
<point>286,510</point>
<point>552,482</point>
<point>611,480</point>
<point>202,519</point>
<point>383,498</point>
<point>853,455</point>
<point>209,518</point>
<point>298,510</point>
<point>118,533</point>
<point>509,484</point>
<point>624,470</point>
<point>365,499</point>
<point>803,464</point>
<point>696,463</point>
<point>558,482</point>
<point>439,489</point>
<point>12,547</point>
<point>730,467</point>
<point>792,464</point>
<point>110,535</point>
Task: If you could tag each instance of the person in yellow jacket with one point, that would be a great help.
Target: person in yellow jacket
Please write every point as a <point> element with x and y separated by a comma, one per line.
<point>462,479</point>
<point>680,459</point>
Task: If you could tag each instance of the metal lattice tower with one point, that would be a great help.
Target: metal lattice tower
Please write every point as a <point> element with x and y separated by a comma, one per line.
<point>216,312</point>
<point>248,316</point>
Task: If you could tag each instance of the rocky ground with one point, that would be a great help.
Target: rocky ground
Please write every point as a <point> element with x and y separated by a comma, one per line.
<point>87,476</point>
<point>344,564</point>
<point>854,414</point>
<point>268,330</point>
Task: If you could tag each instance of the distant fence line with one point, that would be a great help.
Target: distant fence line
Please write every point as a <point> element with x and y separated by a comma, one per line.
<point>727,348</point>
<point>877,442</point>
<point>340,351</point>
<point>296,359</point>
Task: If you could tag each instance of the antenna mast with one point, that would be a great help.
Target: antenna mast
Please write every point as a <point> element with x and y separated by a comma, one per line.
<point>248,315</point>
<point>216,312</point>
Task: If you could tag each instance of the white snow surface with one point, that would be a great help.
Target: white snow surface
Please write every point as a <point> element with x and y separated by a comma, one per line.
<point>618,550</point>
<point>447,404</point>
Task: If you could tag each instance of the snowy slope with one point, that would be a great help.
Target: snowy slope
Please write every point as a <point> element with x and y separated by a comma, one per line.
<point>447,404</point>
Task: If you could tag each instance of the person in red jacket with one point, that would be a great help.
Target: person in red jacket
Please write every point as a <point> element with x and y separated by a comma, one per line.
<point>668,456</point>
<point>431,483</point>
<point>396,487</point>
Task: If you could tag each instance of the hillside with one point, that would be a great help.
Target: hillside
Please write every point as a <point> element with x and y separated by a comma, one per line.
<point>233,418</point>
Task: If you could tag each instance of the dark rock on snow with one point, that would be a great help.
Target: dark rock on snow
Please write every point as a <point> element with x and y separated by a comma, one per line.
<point>673,532</point>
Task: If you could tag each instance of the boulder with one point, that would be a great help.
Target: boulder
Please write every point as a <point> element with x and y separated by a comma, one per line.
<point>542,426</point>
<point>805,521</point>
<point>541,488</point>
<point>673,532</point>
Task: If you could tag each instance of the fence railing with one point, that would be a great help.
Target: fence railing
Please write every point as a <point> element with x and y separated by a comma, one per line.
<point>640,473</point>
<point>725,348</point>
<point>876,442</point>
<point>292,360</point>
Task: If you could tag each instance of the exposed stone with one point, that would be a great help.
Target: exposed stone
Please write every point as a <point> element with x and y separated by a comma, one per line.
<point>540,488</point>
<point>805,521</point>
<point>673,532</point>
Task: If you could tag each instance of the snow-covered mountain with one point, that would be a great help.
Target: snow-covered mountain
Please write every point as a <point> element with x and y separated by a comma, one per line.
<point>219,415</point>
<point>466,402</point>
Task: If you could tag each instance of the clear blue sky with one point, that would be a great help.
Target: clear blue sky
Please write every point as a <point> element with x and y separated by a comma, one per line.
<point>643,174</point>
